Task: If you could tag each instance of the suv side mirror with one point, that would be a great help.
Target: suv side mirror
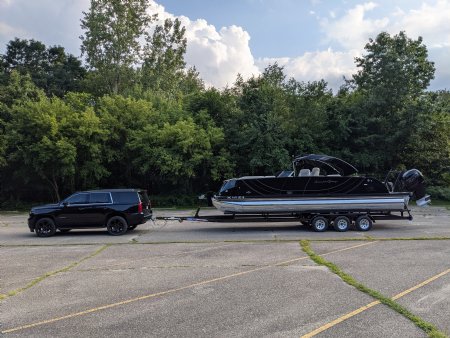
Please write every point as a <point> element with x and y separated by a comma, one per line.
<point>65,204</point>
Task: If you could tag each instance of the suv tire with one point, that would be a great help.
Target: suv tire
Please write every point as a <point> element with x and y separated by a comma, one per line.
<point>117,226</point>
<point>45,227</point>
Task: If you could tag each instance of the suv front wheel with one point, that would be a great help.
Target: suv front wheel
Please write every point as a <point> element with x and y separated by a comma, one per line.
<point>45,227</point>
<point>117,226</point>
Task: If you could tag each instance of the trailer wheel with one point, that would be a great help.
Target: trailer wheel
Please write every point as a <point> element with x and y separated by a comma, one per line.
<point>342,223</point>
<point>319,223</point>
<point>363,223</point>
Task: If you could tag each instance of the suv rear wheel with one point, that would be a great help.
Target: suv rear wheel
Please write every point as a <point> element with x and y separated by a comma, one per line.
<point>45,227</point>
<point>117,226</point>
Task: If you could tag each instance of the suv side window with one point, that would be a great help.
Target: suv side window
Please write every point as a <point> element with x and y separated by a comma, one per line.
<point>99,197</point>
<point>125,197</point>
<point>78,199</point>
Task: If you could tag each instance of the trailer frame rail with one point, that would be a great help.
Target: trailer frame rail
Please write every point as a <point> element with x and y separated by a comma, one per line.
<point>291,217</point>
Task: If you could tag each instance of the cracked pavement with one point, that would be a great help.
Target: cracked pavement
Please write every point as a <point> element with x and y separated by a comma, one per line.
<point>231,280</point>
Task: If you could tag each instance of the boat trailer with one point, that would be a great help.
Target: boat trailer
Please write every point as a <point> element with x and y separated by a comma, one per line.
<point>322,217</point>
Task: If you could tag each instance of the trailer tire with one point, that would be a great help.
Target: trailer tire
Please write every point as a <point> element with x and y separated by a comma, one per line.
<point>342,223</point>
<point>363,223</point>
<point>320,223</point>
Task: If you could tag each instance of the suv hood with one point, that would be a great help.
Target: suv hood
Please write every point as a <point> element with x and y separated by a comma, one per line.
<point>45,206</point>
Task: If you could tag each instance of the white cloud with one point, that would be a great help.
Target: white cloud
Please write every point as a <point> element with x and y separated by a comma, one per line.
<point>430,20</point>
<point>7,30</point>
<point>49,21</point>
<point>353,29</point>
<point>5,3</point>
<point>313,66</point>
<point>218,55</point>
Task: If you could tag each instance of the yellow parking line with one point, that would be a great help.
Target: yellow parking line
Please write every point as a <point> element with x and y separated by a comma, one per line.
<point>340,319</point>
<point>108,306</point>
<point>428,281</point>
<point>349,248</point>
<point>368,306</point>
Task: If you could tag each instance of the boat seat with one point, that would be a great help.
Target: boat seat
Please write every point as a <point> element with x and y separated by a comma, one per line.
<point>304,172</point>
<point>315,171</point>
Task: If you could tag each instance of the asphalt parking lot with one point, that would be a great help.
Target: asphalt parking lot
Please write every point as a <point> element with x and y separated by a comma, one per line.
<point>195,279</point>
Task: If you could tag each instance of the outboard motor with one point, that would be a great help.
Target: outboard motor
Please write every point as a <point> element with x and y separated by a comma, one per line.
<point>412,180</point>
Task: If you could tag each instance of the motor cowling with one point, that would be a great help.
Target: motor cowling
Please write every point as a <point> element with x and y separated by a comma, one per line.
<point>413,181</point>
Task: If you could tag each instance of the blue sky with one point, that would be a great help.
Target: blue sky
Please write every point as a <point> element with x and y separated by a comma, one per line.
<point>278,28</point>
<point>311,39</point>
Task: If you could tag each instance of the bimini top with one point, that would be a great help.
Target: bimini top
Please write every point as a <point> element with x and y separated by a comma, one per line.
<point>332,165</point>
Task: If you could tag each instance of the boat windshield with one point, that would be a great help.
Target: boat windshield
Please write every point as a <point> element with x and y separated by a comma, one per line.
<point>229,184</point>
<point>328,165</point>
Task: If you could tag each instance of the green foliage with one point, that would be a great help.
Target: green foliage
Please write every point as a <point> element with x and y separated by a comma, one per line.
<point>111,40</point>
<point>57,142</point>
<point>387,109</point>
<point>121,117</point>
<point>309,123</point>
<point>260,143</point>
<point>180,151</point>
<point>394,69</point>
<point>51,69</point>
<point>17,88</point>
<point>145,121</point>
<point>441,193</point>
<point>163,66</point>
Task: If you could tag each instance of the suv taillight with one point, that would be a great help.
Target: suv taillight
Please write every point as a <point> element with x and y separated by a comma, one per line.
<point>140,207</point>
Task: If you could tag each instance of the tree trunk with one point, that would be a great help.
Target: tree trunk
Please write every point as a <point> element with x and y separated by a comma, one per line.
<point>55,187</point>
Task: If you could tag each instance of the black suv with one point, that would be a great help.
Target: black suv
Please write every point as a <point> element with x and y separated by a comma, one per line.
<point>118,210</point>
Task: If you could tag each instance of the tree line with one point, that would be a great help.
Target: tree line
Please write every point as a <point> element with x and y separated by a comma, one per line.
<point>132,115</point>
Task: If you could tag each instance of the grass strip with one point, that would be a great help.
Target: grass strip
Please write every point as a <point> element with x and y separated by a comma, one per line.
<point>429,328</point>
<point>52,273</point>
